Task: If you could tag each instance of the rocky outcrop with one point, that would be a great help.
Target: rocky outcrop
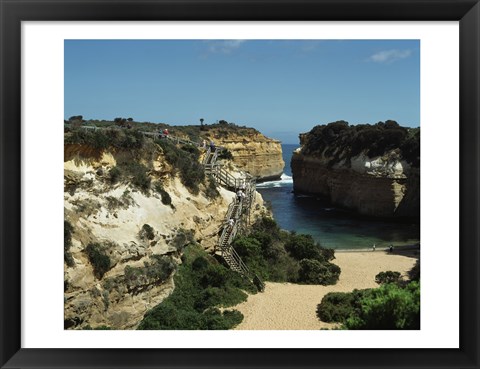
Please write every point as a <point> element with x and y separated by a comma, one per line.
<point>126,243</point>
<point>252,152</point>
<point>383,186</point>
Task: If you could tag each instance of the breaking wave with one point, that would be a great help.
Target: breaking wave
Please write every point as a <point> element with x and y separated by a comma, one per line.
<point>284,181</point>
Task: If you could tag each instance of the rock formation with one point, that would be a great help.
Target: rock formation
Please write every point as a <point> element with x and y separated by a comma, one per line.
<point>383,185</point>
<point>252,151</point>
<point>125,242</point>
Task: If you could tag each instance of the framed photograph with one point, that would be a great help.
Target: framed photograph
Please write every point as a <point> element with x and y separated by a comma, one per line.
<point>183,69</point>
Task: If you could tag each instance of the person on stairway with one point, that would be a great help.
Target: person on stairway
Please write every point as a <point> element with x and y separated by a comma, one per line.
<point>240,195</point>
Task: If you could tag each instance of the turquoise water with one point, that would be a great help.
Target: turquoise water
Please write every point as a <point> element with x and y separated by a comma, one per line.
<point>331,226</point>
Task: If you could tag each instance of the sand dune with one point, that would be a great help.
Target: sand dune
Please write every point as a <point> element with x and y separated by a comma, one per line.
<point>292,306</point>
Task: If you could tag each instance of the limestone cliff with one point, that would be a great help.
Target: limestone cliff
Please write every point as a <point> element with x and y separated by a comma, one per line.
<point>383,185</point>
<point>125,241</point>
<point>252,151</point>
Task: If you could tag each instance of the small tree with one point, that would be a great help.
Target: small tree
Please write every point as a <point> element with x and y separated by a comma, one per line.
<point>147,232</point>
<point>99,259</point>
<point>387,277</point>
<point>76,117</point>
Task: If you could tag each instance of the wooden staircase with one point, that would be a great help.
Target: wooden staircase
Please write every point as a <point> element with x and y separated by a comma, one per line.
<point>238,210</point>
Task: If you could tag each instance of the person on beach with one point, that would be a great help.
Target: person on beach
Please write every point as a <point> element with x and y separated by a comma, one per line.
<point>373,248</point>
<point>391,248</point>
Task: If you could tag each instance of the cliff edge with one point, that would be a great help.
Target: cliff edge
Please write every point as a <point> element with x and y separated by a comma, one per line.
<point>371,169</point>
<point>252,151</point>
<point>131,206</point>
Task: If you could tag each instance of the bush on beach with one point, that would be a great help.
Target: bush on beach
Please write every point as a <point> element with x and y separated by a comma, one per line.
<point>391,306</point>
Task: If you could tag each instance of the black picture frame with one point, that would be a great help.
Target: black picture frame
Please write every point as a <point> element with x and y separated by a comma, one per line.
<point>13,12</point>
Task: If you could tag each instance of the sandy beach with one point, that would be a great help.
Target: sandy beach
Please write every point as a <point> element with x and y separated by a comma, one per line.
<point>292,306</point>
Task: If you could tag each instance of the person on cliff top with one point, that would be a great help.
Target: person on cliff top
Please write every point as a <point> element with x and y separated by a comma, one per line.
<point>204,144</point>
<point>212,146</point>
<point>165,132</point>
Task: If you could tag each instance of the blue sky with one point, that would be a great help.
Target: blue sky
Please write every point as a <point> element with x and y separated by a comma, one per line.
<point>280,87</point>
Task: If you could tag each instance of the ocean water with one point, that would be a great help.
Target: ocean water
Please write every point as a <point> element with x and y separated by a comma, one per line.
<point>330,226</point>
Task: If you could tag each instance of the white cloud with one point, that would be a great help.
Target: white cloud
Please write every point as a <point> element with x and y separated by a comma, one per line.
<point>389,56</point>
<point>224,46</point>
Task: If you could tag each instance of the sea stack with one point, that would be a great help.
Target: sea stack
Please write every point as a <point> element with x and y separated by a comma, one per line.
<point>371,169</point>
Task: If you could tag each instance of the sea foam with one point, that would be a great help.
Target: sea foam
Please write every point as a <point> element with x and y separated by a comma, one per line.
<point>284,181</point>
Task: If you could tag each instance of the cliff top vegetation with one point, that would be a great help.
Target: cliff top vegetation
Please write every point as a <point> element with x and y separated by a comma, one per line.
<point>340,141</point>
<point>196,133</point>
<point>184,159</point>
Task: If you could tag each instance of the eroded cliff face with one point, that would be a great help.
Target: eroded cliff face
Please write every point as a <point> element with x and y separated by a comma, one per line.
<point>253,152</point>
<point>108,221</point>
<point>385,186</point>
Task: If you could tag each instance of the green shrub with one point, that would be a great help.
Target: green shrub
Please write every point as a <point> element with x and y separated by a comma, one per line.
<point>100,261</point>
<point>185,161</point>
<point>272,254</point>
<point>147,232</point>
<point>115,174</point>
<point>158,270</point>
<point>202,285</point>
<point>67,243</point>
<point>267,224</point>
<point>388,307</point>
<point>315,272</point>
<point>387,277</point>
<point>138,175</point>
<point>302,246</point>
<point>166,199</point>
<point>182,238</point>
<point>414,273</point>
<point>211,191</point>
<point>337,306</point>
<point>247,246</point>
<point>122,202</point>
<point>106,138</point>
<point>225,154</point>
